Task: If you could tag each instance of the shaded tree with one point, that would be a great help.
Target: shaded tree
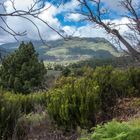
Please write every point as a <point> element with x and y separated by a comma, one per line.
<point>21,71</point>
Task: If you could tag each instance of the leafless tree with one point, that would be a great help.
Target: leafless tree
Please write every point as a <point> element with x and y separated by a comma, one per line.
<point>94,12</point>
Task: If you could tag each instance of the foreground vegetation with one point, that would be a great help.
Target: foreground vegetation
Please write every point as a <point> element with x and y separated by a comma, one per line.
<point>74,101</point>
<point>80,97</point>
<point>14,106</point>
<point>78,101</point>
<point>116,131</point>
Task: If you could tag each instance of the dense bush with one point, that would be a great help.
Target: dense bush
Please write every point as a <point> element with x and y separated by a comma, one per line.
<point>76,101</point>
<point>115,131</point>
<point>21,71</point>
<point>133,75</point>
<point>74,104</point>
<point>14,106</point>
<point>107,94</point>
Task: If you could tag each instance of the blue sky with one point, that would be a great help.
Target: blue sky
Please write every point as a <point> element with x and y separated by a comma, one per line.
<point>62,19</point>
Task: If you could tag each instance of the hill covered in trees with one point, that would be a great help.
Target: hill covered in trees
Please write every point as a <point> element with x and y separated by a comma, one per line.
<point>70,50</point>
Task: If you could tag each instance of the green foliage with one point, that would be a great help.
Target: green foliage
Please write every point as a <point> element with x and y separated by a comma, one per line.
<point>14,106</point>
<point>116,131</point>
<point>103,77</point>
<point>62,81</point>
<point>134,81</point>
<point>66,71</point>
<point>76,101</point>
<point>9,114</point>
<point>74,104</point>
<point>21,71</point>
<point>98,62</point>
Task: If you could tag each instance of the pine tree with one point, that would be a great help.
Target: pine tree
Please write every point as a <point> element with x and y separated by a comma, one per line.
<point>21,71</point>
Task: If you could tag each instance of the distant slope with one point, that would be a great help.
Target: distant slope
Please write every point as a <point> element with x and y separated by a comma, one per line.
<point>3,52</point>
<point>71,50</point>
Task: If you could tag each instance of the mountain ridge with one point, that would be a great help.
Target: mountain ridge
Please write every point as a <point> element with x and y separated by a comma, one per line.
<point>72,49</point>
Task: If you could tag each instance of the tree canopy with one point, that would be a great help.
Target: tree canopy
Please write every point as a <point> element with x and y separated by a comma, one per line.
<point>21,71</point>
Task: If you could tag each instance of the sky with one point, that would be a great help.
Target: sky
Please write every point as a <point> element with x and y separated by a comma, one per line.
<point>62,19</point>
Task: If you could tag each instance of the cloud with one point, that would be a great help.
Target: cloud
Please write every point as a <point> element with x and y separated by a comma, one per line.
<point>73,17</point>
<point>69,6</point>
<point>90,30</point>
<point>115,5</point>
<point>85,31</point>
<point>19,24</point>
<point>2,10</point>
<point>50,16</point>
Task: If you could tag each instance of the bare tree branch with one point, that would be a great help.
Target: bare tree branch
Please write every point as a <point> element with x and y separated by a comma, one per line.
<point>94,14</point>
<point>33,11</point>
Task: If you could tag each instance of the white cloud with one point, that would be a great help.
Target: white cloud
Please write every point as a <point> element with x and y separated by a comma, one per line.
<point>2,10</point>
<point>69,6</point>
<point>49,16</point>
<point>19,24</point>
<point>116,6</point>
<point>19,5</point>
<point>69,30</point>
<point>73,17</point>
<point>91,31</point>
<point>85,31</point>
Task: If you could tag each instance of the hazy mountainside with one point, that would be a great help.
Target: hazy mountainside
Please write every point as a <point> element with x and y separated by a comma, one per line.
<point>71,50</point>
<point>3,52</point>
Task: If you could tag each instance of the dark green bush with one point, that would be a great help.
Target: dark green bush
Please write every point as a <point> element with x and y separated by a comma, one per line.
<point>22,71</point>
<point>133,75</point>
<point>108,93</point>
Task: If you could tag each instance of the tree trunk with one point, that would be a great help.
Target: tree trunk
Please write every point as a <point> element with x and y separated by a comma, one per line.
<point>132,51</point>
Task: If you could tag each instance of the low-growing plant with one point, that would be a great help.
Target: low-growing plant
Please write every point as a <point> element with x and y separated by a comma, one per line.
<point>26,122</point>
<point>115,131</point>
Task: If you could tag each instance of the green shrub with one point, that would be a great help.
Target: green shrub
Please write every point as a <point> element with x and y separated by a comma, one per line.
<point>13,106</point>
<point>108,93</point>
<point>116,131</point>
<point>9,114</point>
<point>74,104</point>
<point>133,75</point>
<point>76,101</point>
